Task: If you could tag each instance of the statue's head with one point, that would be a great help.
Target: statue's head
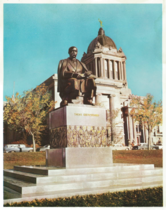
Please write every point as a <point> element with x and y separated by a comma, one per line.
<point>73,52</point>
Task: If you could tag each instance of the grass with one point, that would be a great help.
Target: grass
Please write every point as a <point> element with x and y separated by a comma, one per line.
<point>139,157</point>
<point>24,158</point>
<point>146,197</point>
<point>119,156</point>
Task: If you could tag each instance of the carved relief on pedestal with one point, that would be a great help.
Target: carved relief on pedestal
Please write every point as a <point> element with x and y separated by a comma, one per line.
<point>78,136</point>
<point>58,137</point>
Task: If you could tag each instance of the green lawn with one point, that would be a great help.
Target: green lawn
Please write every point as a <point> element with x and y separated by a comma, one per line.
<point>119,156</point>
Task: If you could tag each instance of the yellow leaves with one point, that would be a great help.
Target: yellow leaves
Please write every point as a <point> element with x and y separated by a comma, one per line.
<point>145,111</point>
<point>29,111</point>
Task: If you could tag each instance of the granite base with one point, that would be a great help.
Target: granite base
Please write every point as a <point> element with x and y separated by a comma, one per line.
<point>79,157</point>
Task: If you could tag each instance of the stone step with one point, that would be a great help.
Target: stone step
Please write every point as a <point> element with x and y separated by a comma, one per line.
<point>28,188</point>
<point>85,191</point>
<point>28,177</point>
<point>39,179</point>
<point>63,171</point>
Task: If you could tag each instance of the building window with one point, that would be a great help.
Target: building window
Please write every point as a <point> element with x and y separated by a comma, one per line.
<point>122,72</point>
<point>111,69</point>
<point>98,67</point>
<point>106,68</point>
<point>124,75</point>
<point>116,70</point>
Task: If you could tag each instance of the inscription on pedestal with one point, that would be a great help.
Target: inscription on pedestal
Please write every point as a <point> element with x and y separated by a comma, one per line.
<point>77,115</point>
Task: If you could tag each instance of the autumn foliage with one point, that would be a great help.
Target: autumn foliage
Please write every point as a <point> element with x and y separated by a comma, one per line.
<point>146,112</point>
<point>29,111</point>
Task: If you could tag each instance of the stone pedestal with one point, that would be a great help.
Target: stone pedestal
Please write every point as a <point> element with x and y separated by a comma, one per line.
<point>78,126</point>
<point>79,157</point>
<point>78,137</point>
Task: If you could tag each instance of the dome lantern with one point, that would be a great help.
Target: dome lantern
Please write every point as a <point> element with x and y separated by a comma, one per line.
<point>103,40</point>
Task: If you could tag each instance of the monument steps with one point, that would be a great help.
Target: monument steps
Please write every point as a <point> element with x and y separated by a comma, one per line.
<point>69,193</point>
<point>39,179</point>
<point>28,188</point>
<point>42,170</point>
<point>35,182</point>
<point>81,178</point>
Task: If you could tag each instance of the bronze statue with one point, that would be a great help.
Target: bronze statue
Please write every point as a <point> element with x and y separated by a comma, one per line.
<point>74,79</point>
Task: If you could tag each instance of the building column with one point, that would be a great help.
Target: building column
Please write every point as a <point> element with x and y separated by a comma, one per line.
<point>114,69</point>
<point>98,99</point>
<point>56,96</point>
<point>101,67</point>
<point>134,130</point>
<point>125,71</point>
<point>129,128</point>
<point>119,70</point>
<point>109,69</point>
<point>112,107</point>
<point>104,73</point>
<point>122,70</point>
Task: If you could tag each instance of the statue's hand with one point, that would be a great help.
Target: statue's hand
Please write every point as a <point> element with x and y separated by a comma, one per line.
<point>80,76</point>
<point>88,73</point>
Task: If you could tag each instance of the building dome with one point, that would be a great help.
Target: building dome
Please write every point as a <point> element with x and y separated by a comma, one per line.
<point>103,40</point>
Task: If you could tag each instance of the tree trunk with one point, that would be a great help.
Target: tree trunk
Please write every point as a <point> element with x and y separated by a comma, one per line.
<point>149,139</point>
<point>33,140</point>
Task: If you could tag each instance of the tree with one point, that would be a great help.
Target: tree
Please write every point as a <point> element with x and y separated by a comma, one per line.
<point>114,129</point>
<point>29,112</point>
<point>146,112</point>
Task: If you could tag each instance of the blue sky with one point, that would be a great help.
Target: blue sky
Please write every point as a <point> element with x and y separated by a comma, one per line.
<point>37,36</point>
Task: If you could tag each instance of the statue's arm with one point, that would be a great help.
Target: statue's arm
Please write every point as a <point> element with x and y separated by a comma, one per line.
<point>67,73</point>
<point>87,72</point>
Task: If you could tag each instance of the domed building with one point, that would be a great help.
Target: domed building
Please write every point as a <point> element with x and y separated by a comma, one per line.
<point>109,65</point>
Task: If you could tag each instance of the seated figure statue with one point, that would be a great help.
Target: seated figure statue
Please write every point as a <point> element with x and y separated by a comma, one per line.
<point>74,79</point>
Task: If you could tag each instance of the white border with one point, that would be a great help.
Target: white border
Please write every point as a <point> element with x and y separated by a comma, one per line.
<point>88,2</point>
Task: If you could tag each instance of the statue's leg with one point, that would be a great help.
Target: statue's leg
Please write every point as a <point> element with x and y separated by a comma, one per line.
<point>71,91</point>
<point>90,91</point>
